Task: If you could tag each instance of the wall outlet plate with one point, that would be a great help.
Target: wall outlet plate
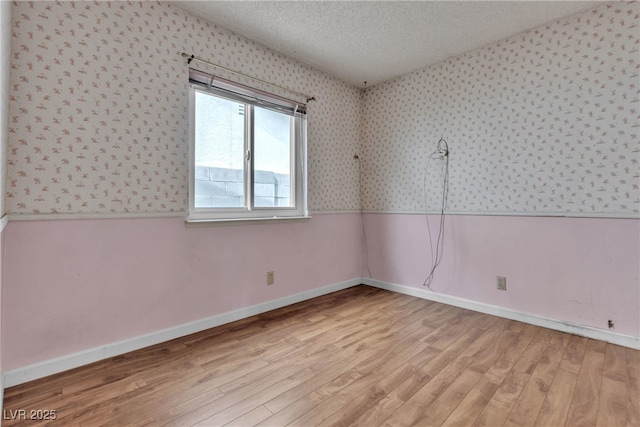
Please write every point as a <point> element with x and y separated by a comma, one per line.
<point>501,283</point>
<point>270,278</point>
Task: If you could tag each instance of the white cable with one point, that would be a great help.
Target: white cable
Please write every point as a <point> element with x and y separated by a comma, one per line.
<point>442,152</point>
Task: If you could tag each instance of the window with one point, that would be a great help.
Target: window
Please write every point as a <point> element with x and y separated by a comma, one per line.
<point>247,152</point>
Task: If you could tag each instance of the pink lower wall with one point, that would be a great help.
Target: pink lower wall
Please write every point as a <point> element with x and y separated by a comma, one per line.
<point>1,293</point>
<point>72,285</point>
<point>579,270</point>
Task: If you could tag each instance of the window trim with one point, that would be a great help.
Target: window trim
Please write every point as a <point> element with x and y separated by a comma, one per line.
<point>299,158</point>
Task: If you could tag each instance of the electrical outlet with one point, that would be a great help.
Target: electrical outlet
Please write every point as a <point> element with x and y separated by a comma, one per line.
<point>610,324</point>
<point>501,283</point>
<point>270,278</point>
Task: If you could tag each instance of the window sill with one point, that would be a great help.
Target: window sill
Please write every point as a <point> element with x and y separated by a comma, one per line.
<point>192,223</point>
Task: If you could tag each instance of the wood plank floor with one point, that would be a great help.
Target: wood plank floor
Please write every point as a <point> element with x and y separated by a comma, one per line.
<point>362,356</point>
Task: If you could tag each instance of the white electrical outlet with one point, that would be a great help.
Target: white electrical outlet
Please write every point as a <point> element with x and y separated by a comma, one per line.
<point>270,278</point>
<point>501,283</point>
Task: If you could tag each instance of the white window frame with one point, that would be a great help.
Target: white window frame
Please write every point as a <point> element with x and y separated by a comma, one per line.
<point>250,97</point>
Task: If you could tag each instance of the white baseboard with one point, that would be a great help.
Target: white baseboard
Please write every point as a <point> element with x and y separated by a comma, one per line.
<point>60,364</point>
<point>558,325</point>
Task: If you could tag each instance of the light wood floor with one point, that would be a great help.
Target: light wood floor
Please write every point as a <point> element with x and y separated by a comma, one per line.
<point>361,356</point>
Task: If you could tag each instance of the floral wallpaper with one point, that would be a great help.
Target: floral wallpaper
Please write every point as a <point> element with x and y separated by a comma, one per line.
<point>99,109</point>
<point>5,58</point>
<point>542,123</point>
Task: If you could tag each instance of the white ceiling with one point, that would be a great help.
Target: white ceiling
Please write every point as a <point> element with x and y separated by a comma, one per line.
<point>374,41</point>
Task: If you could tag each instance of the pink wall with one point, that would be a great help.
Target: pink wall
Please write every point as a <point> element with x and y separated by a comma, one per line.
<point>80,284</point>
<point>579,270</point>
<point>2,241</point>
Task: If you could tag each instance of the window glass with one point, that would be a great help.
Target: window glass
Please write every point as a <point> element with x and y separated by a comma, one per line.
<point>272,158</point>
<point>219,152</point>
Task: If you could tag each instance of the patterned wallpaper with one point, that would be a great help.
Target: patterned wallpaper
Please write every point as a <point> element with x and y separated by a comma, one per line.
<point>98,109</point>
<point>544,122</point>
<point>5,59</point>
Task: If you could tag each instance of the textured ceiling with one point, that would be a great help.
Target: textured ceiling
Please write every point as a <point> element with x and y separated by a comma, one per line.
<point>374,41</point>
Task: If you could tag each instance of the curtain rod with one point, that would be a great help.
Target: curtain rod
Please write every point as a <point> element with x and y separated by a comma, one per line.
<point>204,61</point>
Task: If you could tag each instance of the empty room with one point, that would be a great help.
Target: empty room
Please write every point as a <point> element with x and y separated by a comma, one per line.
<point>311,213</point>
